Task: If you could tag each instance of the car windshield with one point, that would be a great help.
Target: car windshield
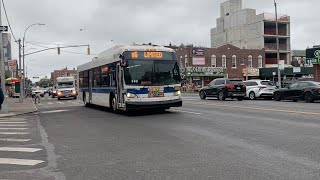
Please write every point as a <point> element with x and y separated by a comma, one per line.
<point>66,85</point>
<point>152,72</point>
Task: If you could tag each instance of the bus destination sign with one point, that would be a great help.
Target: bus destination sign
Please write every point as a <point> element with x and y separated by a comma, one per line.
<point>146,55</point>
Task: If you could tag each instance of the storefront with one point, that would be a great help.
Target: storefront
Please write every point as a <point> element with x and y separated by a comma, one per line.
<point>250,73</point>
<point>201,76</point>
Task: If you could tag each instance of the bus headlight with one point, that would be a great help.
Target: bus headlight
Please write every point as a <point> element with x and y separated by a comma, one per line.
<point>74,92</point>
<point>177,93</point>
<point>130,95</point>
<point>59,93</point>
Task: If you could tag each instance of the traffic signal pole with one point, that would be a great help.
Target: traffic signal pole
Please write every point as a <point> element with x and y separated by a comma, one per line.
<point>5,108</point>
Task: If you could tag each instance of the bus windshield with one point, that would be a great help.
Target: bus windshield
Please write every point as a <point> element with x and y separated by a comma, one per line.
<point>152,72</point>
<point>65,85</point>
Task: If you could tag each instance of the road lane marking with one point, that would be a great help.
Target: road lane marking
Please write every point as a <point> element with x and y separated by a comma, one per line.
<point>13,122</point>
<point>260,109</point>
<point>14,133</point>
<point>14,140</point>
<point>50,103</point>
<point>60,103</point>
<point>23,162</point>
<point>19,149</point>
<point>14,125</point>
<point>189,112</point>
<point>54,111</point>
<point>13,128</point>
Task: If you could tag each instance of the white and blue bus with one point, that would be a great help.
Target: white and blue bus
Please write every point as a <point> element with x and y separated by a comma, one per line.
<point>130,77</point>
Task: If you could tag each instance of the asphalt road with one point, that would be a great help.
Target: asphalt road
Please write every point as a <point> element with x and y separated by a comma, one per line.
<point>206,139</point>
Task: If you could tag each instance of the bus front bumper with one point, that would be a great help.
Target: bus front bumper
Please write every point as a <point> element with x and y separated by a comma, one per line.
<point>154,104</point>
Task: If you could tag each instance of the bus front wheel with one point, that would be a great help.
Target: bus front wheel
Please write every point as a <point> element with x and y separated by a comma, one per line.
<point>113,105</point>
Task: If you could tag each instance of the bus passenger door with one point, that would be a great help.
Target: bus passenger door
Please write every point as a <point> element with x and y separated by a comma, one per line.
<point>119,74</point>
<point>90,85</point>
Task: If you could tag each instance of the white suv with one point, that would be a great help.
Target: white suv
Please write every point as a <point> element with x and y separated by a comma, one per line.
<point>259,89</point>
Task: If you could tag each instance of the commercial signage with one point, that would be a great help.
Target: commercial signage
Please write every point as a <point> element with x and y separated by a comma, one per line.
<point>12,64</point>
<point>198,52</point>
<point>250,71</point>
<point>205,69</point>
<point>198,61</point>
<point>313,55</point>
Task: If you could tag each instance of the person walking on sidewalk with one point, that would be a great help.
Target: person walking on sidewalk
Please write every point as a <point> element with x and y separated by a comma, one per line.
<point>1,98</point>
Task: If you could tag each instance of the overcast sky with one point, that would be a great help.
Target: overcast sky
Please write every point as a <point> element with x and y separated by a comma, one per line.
<point>127,21</point>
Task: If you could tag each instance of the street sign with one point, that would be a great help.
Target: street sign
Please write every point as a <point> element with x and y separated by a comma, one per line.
<point>3,28</point>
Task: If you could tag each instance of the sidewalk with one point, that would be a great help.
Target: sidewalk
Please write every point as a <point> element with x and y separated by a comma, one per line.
<point>16,108</point>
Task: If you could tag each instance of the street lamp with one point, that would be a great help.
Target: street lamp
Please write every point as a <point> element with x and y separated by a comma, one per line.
<point>278,53</point>
<point>23,55</point>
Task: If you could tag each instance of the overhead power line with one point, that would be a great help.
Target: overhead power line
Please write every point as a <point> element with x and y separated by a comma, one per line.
<point>5,11</point>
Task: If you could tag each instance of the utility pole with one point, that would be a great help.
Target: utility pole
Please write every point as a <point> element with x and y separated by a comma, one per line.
<point>21,94</point>
<point>278,53</point>
<point>3,71</point>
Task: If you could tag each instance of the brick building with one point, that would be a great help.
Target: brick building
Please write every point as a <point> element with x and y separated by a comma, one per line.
<point>63,73</point>
<point>201,65</point>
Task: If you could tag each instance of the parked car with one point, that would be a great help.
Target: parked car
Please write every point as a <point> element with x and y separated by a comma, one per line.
<point>259,89</point>
<point>224,88</point>
<point>302,90</point>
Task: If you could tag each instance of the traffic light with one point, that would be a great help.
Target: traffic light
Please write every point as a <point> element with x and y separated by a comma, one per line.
<point>58,50</point>
<point>88,49</point>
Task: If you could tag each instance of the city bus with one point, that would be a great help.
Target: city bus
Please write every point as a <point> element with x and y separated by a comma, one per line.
<point>131,77</point>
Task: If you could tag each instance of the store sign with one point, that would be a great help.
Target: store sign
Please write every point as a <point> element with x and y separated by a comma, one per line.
<point>12,64</point>
<point>198,61</point>
<point>205,69</point>
<point>251,71</point>
<point>313,55</point>
<point>198,52</point>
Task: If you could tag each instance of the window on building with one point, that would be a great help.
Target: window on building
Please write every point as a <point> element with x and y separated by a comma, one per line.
<point>234,61</point>
<point>224,61</point>
<point>213,61</point>
<point>250,61</point>
<point>242,61</point>
<point>260,64</point>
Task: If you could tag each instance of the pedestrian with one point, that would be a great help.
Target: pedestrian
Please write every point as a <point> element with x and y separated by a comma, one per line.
<point>1,98</point>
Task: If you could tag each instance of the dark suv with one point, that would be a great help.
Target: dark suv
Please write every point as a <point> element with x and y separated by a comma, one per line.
<point>224,88</point>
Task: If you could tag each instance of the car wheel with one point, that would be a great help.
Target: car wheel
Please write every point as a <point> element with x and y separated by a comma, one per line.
<point>252,96</point>
<point>308,97</point>
<point>240,98</point>
<point>221,96</point>
<point>277,96</point>
<point>202,95</point>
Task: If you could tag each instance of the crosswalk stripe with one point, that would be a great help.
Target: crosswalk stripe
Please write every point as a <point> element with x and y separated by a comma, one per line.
<point>14,140</point>
<point>25,162</point>
<point>13,122</point>
<point>50,103</point>
<point>14,133</point>
<point>13,125</point>
<point>60,102</point>
<point>13,128</point>
<point>19,149</point>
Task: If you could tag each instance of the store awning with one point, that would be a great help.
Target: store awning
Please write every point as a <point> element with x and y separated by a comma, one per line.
<point>203,75</point>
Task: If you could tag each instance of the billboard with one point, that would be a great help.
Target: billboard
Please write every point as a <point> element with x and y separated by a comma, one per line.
<point>198,61</point>
<point>313,55</point>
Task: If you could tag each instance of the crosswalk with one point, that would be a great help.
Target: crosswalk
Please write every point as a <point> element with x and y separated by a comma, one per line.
<point>55,103</point>
<point>16,146</point>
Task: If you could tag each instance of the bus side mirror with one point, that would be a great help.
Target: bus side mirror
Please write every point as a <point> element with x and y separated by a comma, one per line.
<point>123,62</point>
